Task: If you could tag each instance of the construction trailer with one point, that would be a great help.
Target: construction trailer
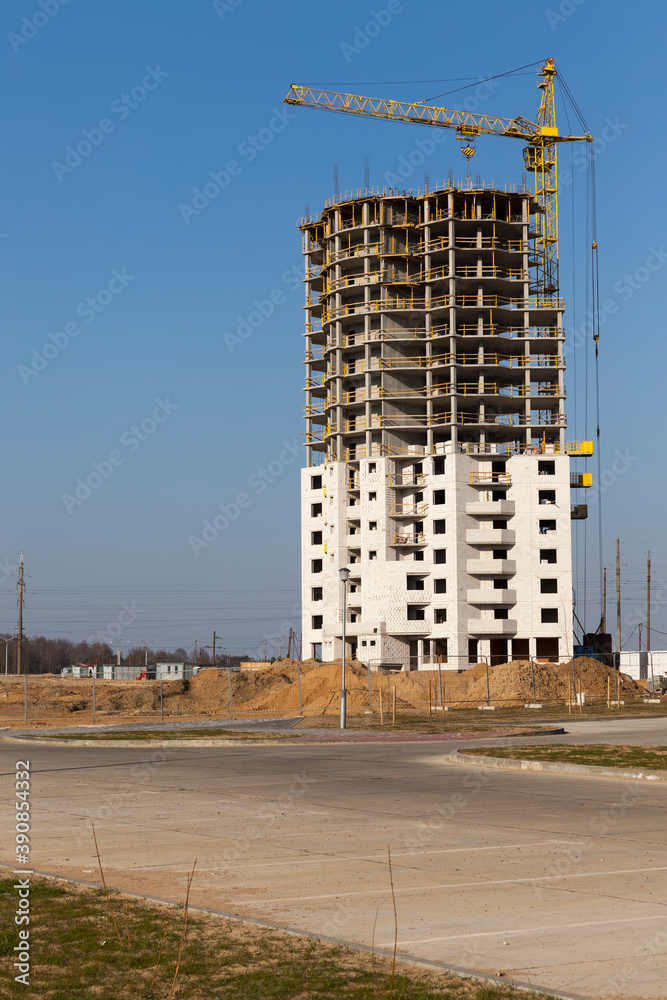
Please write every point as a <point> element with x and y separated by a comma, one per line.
<point>175,671</point>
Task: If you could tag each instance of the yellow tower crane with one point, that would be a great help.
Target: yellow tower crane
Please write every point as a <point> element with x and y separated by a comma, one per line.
<point>539,154</point>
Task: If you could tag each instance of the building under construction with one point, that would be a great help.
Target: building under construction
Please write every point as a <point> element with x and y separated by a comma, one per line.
<point>438,469</point>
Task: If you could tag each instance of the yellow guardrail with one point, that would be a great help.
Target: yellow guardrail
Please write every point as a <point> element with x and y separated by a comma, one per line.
<point>415,538</point>
<point>490,479</point>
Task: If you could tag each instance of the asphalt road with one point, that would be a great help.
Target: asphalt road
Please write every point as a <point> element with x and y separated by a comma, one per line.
<point>559,880</point>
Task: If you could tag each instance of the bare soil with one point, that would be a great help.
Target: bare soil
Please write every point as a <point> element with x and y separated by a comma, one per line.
<point>275,691</point>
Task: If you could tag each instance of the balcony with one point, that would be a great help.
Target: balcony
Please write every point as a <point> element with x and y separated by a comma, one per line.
<point>491,567</point>
<point>501,537</point>
<point>409,538</point>
<point>492,626</point>
<point>490,508</point>
<point>418,596</point>
<point>403,626</point>
<point>406,479</point>
<point>490,479</point>
<point>408,510</point>
<point>502,598</point>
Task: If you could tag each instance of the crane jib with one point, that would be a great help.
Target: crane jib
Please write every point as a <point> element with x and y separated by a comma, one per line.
<point>467,123</point>
<point>539,154</point>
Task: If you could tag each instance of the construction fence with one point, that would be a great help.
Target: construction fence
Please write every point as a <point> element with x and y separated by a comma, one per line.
<point>312,690</point>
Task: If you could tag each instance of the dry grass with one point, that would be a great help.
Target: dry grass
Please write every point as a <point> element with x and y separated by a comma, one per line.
<point>597,754</point>
<point>76,956</point>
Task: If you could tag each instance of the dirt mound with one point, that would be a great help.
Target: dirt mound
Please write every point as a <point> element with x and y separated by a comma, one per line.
<point>275,689</point>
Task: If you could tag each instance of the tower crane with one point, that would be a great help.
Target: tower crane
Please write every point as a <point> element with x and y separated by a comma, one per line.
<point>539,154</point>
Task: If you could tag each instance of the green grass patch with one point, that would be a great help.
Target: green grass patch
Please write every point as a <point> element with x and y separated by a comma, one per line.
<point>174,734</point>
<point>77,955</point>
<point>598,754</point>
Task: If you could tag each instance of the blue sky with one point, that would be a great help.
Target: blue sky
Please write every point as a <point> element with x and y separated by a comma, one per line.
<point>140,300</point>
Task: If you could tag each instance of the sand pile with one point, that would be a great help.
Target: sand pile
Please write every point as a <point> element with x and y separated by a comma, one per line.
<point>275,690</point>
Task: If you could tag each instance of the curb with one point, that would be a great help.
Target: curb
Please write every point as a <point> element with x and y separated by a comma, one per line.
<point>407,959</point>
<point>509,764</point>
<point>53,741</point>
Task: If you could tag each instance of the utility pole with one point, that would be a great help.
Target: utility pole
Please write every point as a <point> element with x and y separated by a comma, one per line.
<point>648,604</point>
<point>640,636</point>
<point>19,649</point>
<point>604,600</point>
<point>214,649</point>
<point>618,597</point>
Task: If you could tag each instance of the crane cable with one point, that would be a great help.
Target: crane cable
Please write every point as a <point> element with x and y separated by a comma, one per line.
<point>595,275</point>
<point>594,286</point>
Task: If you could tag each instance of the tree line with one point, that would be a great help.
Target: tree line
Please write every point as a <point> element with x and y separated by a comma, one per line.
<point>49,656</point>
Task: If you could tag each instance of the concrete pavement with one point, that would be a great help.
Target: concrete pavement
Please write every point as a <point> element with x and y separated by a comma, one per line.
<point>554,879</point>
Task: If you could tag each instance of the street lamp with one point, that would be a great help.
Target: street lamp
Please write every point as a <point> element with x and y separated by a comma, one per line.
<point>344,574</point>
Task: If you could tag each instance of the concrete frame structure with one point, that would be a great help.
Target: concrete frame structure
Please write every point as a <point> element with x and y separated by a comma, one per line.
<point>437,467</point>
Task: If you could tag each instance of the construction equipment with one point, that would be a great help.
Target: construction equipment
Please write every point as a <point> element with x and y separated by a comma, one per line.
<point>539,154</point>
<point>595,645</point>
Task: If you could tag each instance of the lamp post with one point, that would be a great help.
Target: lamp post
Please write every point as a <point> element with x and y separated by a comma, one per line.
<point>344,574</point>
<point>145,645</point>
